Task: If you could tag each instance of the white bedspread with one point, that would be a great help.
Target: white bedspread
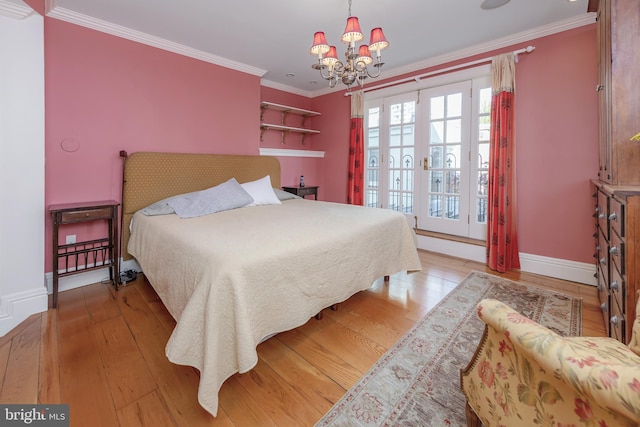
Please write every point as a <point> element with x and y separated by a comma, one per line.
<point>232,278</point>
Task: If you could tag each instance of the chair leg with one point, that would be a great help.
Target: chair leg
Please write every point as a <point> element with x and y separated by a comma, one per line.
<point>472,418</point>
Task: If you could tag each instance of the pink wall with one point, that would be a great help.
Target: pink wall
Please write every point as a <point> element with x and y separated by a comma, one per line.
<point>111,94</point>
<point>557,145</point>
<point>557,153</point>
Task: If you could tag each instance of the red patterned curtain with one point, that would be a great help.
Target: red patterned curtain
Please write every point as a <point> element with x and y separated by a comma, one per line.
<point>502,237</point>
<point>356,151</point>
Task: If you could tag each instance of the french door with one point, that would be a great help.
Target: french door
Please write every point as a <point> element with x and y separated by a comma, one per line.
<point>427,155</point>
<point>390,154</point>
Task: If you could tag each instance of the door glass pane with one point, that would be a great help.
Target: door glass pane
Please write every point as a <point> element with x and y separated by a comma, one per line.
<point>452,182</point>
<point>409,113</point>
<point>435,206</point>
<point>483,179</point>
<point>394,180</point>
<point>395,117</point>
<point>407,202</point>
<point>453,157</point>
<point>394,157</point>
<point>394,135</point>
<point>485,101</point>
<point>435,157</point>
<point>407,179</point>
<point>394,200</point>
<point>373,138</point>
<point>454,105</point>
<point>437,108</point>
<point>437,132</point>
<point>372,162</point>
<point>483,156</point>
<point>452,207</point>
<point>372,157</point>
<point>408,135</point>
<point>435,181</point>
<point>482,211</point>
<point>454,131</point>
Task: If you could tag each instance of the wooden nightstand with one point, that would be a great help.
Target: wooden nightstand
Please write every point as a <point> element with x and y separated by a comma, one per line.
<point>88,255</point>
<point>309,190</point>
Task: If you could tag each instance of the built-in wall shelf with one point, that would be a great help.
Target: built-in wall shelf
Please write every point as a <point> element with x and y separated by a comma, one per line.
<point>286,152</point>
<point>283,127</point>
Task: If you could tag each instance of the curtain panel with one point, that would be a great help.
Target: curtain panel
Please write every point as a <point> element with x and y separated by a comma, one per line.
<point>355,183</point>
<point>502,237</point>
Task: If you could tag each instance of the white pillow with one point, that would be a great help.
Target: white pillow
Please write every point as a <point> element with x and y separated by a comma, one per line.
<point>261,191</point>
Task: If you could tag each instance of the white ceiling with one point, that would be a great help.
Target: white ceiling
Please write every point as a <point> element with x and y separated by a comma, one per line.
<point>273,36</point>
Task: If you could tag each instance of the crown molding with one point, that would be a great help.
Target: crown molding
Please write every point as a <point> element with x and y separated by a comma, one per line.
<point>53,11</point>
<point>285,88</point>
<point>514,39</point>
<point>15,11</point>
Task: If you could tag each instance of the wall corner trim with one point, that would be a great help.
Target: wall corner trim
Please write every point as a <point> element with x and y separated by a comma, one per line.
<point>19,306</point>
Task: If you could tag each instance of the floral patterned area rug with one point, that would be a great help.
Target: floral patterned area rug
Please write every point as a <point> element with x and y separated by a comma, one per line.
<point>417,382</point>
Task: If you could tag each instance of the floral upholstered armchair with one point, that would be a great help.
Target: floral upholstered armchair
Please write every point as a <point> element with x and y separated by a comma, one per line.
<point>524,374</point>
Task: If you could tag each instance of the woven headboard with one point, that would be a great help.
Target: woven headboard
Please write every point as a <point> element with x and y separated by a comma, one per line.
<point>149,177</point>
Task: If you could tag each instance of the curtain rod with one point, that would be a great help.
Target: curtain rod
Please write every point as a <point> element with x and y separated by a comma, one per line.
<point>417,78</point>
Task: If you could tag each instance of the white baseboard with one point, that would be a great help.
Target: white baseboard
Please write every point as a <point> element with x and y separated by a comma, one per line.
<point>19,306</point>
<point>87,278</point>
<point>580,272</point>
<point>573,271</point>
<point>453,248</point>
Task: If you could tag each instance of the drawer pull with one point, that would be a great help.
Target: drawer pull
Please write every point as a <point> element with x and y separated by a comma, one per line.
<point>604,307</point>
<point>603,261</point>
<point>602,216</point>
<point>599,88</point>
<point>614,320</point>
<point>613,216</point>
<point>614,285</point>
<point>613,250</point>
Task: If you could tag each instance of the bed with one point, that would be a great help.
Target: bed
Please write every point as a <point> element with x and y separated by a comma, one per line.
<point>236,277</point>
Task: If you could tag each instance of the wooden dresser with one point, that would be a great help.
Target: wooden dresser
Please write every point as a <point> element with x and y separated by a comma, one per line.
<point>617,191</point>
<point>617,213</point>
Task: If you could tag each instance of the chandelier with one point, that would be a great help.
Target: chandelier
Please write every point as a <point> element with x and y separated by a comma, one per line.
<point>355,67</point>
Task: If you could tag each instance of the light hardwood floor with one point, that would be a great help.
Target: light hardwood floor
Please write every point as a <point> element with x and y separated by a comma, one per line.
<point>102,352</point>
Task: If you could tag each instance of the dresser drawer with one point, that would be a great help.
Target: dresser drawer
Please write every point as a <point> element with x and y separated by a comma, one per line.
<point>603,296</point>
<point>602,212</point>
<point>602,251</point>
<point>617,287</point>
<point>84,215</point>
<point>616,252</point>
<point>616,217</point>
<point>616,321</point>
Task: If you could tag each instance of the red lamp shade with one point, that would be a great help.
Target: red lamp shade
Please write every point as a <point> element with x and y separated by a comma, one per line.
<point>320,44</point>
<point>378,41</point>
<point>352,32</point>
<point>331,57</point>
<point>364,55</point>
